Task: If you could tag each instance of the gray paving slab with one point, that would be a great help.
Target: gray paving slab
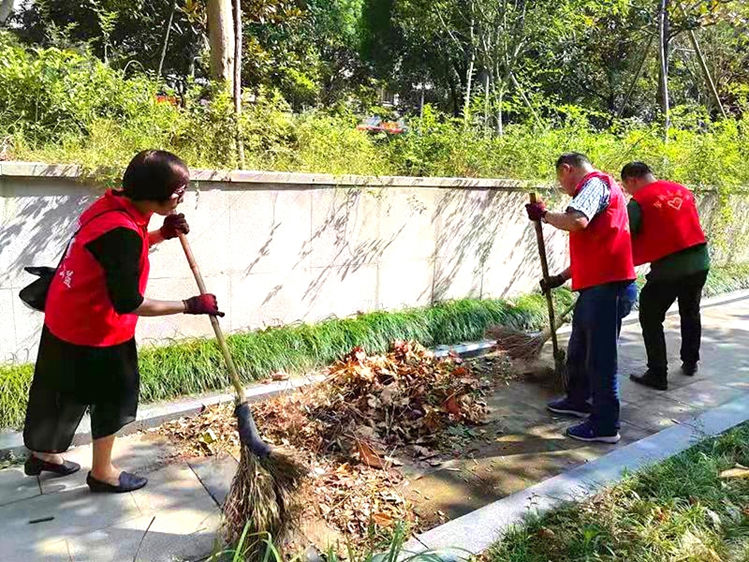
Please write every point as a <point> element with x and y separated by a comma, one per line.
<point>141,454</point>
<point>168,488</point>
<point>184,532</point>
<point>16,486</point>
<point>706,393</point>
<point>75,512</point>
<point>43,551</point>
<point>216,475</point>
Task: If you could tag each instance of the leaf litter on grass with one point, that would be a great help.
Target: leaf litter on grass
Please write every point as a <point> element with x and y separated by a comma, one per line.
<point>354,426</point>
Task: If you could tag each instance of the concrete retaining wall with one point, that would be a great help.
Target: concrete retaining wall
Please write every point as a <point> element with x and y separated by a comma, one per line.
<point>280,248</point>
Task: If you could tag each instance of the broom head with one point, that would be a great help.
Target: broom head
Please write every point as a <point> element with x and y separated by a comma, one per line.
<point>263,496</point>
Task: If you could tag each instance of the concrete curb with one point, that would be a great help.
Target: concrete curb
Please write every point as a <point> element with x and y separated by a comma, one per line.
<point>477,531</point>
<point>152,415</point>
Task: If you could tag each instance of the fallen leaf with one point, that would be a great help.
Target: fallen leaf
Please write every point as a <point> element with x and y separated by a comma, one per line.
<point>545,533</point>
<point>451,405</point>
<point>280,376</point>
<point>735,473</point>
<point>208,437</point>
<point>368,455</point>
<point>382,519</point>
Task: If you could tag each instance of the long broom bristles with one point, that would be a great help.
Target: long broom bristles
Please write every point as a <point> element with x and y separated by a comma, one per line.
<point>262,499</point>
<point>518,345</point>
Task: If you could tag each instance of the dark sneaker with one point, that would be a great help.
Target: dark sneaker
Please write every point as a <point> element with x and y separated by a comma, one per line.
<point>34,467</point>
<point>128,483</point>
<point>586,432</point>
<point>658,381</point>
<point>689,369</point>
<point>566,407</point>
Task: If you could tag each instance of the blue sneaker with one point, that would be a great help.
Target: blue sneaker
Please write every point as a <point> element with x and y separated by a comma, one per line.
<point>586,432</point>
<point>566,407</point>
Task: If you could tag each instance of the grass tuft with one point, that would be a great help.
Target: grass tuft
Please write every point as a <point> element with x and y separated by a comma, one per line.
<point>195,366</point>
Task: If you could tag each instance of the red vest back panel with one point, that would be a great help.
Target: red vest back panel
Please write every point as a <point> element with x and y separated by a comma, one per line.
<point>78,309</point>
<point>602,252</point>
<point>670,222</point>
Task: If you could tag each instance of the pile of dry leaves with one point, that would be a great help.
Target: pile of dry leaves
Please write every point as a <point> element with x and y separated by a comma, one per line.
<point>371,405</point>
<point>353,426</point>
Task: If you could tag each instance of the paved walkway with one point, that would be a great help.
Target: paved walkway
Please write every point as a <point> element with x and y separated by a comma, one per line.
<point>181,502</point>
<point>525,443</point>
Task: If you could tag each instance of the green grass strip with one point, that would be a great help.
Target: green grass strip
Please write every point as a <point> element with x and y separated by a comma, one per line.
<point>194,366</point>
<point>679,509</point>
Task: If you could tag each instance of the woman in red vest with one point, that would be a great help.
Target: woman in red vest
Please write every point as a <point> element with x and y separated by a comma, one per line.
<point>602,272</point>
<point>87,354</point>
<point>666,233</point>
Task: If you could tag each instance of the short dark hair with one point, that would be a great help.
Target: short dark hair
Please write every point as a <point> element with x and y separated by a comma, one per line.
<point>635,170</point>
<point>154,175</point>
<point>574,159</point>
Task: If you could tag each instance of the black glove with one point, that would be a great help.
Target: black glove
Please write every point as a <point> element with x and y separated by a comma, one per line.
<point>553,282</point>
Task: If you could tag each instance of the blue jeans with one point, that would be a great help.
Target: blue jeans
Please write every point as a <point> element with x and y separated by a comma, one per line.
<point>592,351</point>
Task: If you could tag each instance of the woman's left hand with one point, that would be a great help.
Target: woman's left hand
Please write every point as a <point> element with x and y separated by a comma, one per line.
<point>174,225</point>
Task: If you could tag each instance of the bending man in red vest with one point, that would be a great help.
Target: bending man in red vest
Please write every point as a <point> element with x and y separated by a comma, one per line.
<point>602,272</point>
<point>666,233</point>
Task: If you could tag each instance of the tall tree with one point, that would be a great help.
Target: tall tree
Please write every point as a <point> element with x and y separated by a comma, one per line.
<point>221,40</point>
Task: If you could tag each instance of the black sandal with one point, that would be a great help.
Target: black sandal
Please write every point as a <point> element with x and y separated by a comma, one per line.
<point>34,467</point>
<point>128,483</point>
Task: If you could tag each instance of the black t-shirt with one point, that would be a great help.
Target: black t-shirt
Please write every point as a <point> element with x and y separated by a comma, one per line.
<point>118,251</point>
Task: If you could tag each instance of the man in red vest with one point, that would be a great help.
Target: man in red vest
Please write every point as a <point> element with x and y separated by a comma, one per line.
<point>666,233</point>
<point>602,272</point>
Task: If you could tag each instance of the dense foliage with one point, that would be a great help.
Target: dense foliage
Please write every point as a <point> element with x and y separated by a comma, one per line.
<point>486,88</point>
<point>63,106</point>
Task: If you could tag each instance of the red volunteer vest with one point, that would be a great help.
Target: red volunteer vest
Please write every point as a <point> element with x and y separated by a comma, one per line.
<point>670,222</point>
<point>602,252</point>
<point>78,309</point>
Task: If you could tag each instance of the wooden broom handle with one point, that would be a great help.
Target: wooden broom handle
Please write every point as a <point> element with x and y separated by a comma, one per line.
<point>545,271</point>
<point>235,381</point>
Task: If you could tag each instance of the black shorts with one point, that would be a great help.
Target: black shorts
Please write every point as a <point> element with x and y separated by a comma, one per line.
<point>68,379</point>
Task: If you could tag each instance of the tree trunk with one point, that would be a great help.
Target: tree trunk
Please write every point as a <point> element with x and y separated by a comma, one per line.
<point>636,77</point>
<point>238,77</point>
<point>525,99</point>
<point>706,72</point>
<point>166,38</point>
<point>469,82</point>
<point>6,10</point>
<point>663,72</point>
<point>221,39</point>
<point>467,100</point>
<point>486,104</point>
<point>499,94</point>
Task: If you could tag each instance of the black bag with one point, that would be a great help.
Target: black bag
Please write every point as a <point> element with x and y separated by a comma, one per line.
<point>34,295</point>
